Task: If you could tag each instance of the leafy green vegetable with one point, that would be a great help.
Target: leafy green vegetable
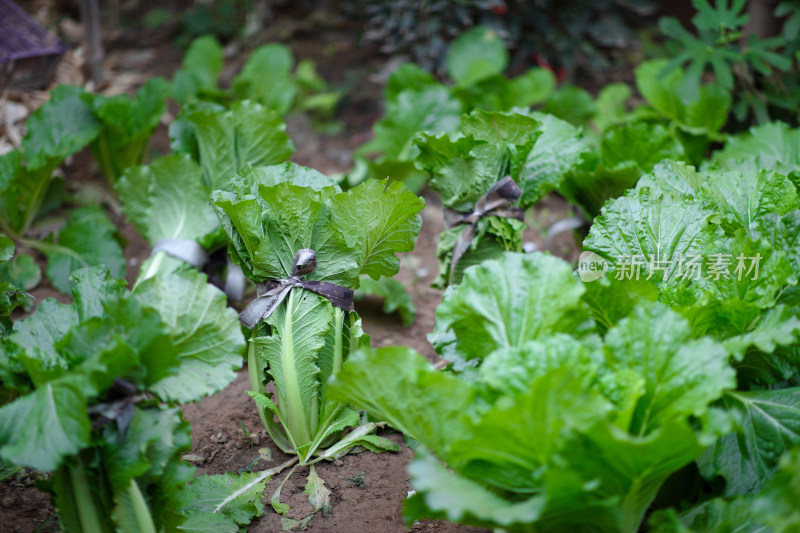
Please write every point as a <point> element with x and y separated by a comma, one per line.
<point>168,199</point>
<point>223,141</point>
<point>128,123</point>
<point>626,153</point>
<point>720,47</point>
<point>209,506</point>
<point>10,295</point>
<point>198,77</point>
<point>475,55</point>
<point>535,150</point>
<point>769,146</point>
<point>83,371</point>
<point>555,429</point>
<point>266,78</point>
<point>270,215</point>
<point>394,294</point>
<point>697,118</point>
<point>56,130</point>
<point>88,238</point>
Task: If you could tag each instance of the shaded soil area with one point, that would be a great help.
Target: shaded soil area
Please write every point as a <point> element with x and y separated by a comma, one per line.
<point>367,490</point>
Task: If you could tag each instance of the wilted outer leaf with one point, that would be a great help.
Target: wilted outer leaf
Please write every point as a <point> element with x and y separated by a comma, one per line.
<point>205,493</point>
<point>318,494</point>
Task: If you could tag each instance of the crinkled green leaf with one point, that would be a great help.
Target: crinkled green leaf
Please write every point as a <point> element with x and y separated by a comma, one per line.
<point>397,385</point>
<point>531,295</point>
<point>60,127</point>
<point>247,133</point>
<point>682,376</point>
<point>201,329</point>
<point>626,152</point>
<point>377,220</point>
<point>87,239</point>
<point>645,233</point>
<point>32,344</point>
<point>167,199</point>
<point>513,369</point>
<point>747,197</point>
<point>465,166</point>
<point>353,232</point>
<point>747,458</point>
<point>41,428</point>
<point>768,146</point>
<point>559,150</point>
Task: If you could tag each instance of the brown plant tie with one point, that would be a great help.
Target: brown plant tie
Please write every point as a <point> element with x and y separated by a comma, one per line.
<point>271,293</point>
<point>496,202</point>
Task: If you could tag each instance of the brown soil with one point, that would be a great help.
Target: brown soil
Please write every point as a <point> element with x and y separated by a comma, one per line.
<point>367,490</point>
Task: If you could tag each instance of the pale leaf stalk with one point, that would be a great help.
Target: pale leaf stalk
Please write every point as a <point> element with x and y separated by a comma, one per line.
<point>82,493</point>
<point>144,520</point>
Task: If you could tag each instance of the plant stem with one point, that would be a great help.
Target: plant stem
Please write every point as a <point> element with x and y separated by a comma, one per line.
<point>144,520</point>
<point>32,209</point>
<point>82,494</point>
<point>101,152</point>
